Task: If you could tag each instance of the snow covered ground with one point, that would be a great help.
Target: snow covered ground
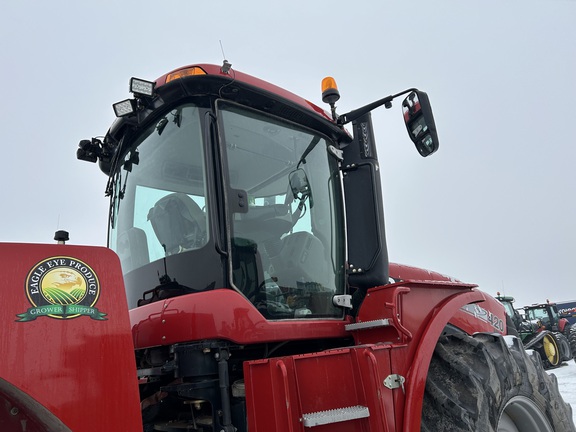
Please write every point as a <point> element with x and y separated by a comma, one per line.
<point>566,375</point>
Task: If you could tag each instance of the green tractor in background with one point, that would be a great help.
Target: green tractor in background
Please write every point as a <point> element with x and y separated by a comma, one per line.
<point>547,315</point>
<point>542,331</point>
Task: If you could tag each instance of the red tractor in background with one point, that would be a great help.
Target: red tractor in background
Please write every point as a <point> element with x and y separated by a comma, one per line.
<point>247,285</point>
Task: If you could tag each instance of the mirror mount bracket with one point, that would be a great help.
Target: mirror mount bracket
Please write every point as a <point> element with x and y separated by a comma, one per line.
<point>359,112</point>
<point>418,118</point>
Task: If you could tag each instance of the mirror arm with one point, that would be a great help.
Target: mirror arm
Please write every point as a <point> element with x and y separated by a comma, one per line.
<point>359,112</point>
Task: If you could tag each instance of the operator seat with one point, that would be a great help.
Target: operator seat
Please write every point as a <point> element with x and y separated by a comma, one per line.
<point>178,222</point>
<point>302,259</point>
<point>132,249</point>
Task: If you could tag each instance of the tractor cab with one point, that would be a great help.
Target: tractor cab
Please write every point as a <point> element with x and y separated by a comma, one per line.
<point>213,194</point>
<point>546,314</point>
<point>514,314</point>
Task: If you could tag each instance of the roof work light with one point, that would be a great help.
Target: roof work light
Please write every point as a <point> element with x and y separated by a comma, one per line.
<point>124,108</point>
<point>141,87</point>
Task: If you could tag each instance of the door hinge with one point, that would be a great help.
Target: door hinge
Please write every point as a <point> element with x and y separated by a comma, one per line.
<point>343,300</point>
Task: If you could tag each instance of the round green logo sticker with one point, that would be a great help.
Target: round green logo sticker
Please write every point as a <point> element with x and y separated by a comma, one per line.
<point>62,288</point>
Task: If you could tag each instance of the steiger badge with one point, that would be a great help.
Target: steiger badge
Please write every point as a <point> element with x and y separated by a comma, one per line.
<point>63,288</point>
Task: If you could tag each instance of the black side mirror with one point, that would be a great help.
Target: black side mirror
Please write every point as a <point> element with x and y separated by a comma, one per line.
<point>300,185</point>
<point>420,122</point>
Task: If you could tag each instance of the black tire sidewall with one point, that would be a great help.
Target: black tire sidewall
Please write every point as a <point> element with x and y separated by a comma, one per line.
<point>472,378</point>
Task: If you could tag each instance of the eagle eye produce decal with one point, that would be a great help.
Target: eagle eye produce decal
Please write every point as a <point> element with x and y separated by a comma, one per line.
<point>62,288</point>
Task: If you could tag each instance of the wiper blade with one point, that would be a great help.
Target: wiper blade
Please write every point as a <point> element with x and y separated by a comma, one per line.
<point>310,147</point>
<point>114,168</point>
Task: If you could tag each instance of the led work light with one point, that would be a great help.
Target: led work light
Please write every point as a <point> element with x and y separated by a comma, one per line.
<point>141,87</point>
<point>124,108</point>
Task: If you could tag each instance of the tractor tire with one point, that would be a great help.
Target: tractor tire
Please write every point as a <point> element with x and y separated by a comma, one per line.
<point>489,383</point>
<point>563,346</point>
<point>549,352</point>
<point>572,341</point>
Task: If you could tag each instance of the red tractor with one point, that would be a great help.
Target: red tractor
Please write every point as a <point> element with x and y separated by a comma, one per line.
<point>247,285</point>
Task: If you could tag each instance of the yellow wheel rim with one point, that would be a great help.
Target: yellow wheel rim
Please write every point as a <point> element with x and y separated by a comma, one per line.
<point>551,350</point>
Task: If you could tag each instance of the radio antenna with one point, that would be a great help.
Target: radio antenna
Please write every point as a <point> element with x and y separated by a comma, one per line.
<point>225,64</point>
<point>222,49</point>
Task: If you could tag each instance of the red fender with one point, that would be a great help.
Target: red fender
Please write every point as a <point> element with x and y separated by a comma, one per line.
<point>413,315</point>
<point>416,378</point>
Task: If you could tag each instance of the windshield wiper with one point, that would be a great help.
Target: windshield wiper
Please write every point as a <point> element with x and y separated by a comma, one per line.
<point>310,147</point>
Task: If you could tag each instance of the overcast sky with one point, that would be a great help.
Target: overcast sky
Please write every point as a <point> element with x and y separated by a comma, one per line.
<point>494,206</point>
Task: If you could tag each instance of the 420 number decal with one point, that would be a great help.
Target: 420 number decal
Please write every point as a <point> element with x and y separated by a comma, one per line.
<point>485,315</point>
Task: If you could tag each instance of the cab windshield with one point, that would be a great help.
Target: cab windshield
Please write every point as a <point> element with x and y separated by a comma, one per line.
<point>286,230</point>
<point>542,314</point>
<point>159,204</point>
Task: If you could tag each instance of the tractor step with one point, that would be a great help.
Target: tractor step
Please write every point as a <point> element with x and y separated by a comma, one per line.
<point>335,415</point>
<point>368,324</point>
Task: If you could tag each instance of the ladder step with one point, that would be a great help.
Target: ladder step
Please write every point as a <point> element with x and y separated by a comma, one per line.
<point>367,324</point>
<point>335,415</point>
